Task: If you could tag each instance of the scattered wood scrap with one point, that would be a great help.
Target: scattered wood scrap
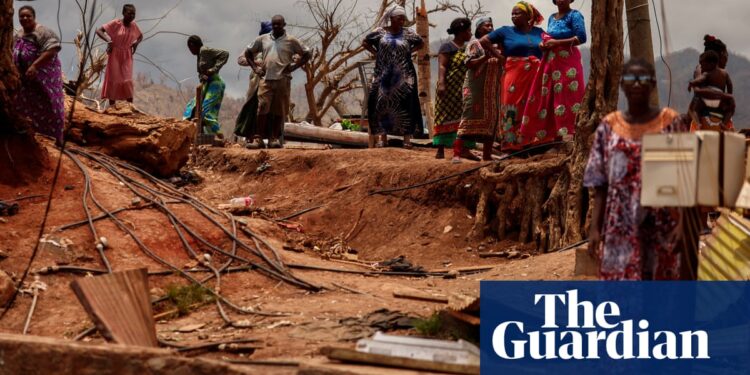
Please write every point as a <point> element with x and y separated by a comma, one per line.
<point>348,355</point>
<point>420,296</point>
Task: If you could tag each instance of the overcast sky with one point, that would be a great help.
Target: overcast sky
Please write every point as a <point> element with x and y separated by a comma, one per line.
<point>232,24</point>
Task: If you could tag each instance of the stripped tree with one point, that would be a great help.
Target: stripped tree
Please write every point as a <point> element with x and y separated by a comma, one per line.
<point>337,39</point>
<point>337,32</point>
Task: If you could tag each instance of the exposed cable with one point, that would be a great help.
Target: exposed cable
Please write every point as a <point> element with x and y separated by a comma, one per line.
<point>661,52</point>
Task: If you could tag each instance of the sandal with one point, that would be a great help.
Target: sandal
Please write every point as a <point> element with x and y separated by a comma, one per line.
<point>466,154</point>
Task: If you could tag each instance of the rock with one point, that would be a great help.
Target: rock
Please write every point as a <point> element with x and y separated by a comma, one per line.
<point>447,229</point>
<point>481,247</point>
<point>513,254</point>
<point>3,255</point>
<point>469,249</point>
<point>308,243</point>
<point>159,145</point>
<point>156,293</point>
<point>7,288</point>
<point>525,256</point>
<point>191,327</point>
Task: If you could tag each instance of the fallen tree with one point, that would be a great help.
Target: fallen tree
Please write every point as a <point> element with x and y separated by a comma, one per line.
<point>160,146</point>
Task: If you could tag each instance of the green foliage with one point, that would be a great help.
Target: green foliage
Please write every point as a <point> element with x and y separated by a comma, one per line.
<point>184,297</point>
<point>348,125</point>
<point>430,326</point>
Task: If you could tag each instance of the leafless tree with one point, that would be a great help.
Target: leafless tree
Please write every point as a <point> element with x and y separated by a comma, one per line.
<point>336,35</point>
<point>470,11</point>
<point>338,29</point>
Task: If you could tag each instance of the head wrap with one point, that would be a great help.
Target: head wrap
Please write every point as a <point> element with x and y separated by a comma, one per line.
<point>481,21</point>
<point>535,18</point>
<point>265,27</point>
<point>392,12</point>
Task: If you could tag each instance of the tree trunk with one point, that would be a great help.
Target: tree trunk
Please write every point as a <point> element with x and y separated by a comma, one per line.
<point>9,82</point>
<point>567,200</point>
<point>424,80</point>
<point>639,31</point>
<point>22,158</point>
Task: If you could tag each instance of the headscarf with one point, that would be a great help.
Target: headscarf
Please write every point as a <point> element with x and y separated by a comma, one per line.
<point>265,27</point>
<point>535,18</point>
<point>481,21</point>
<point>394,11</point>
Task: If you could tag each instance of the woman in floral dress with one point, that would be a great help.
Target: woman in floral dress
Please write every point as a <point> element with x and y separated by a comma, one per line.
<point>631,242</point>
<point>520,45</point>
<point>558,88</point>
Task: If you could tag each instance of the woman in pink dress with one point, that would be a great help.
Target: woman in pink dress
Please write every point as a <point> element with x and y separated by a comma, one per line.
<point>122,37</point>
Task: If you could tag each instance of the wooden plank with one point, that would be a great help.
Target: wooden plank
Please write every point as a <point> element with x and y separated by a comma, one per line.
<point>419,296</point>
<point>348,355</point>
<point>493,255</point>
<point>467,269</point>
<point>120,306</point>
<point>464,317</point>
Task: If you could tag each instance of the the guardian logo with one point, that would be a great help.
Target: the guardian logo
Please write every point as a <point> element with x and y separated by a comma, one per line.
<point>588,327</point>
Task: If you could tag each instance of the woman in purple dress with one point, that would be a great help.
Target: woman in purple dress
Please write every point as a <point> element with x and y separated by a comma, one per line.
<point>40,97</point>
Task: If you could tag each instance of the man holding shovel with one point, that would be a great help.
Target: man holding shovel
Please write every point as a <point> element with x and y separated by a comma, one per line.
<point>210,61</point>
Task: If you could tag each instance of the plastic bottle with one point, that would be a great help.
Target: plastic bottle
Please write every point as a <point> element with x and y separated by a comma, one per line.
<point>243,202</point>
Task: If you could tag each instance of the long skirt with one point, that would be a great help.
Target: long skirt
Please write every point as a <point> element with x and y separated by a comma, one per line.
<point>41,99</point>
<point>246,124</point>
<point>517,81</point>
<point>481,103</point>
<point>555,97</point>
<point>213,95</point>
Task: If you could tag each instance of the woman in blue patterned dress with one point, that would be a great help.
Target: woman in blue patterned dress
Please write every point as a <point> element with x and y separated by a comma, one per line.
<point>393,102</point>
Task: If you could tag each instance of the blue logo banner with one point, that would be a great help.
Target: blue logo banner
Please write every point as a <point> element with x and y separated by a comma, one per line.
<point>615,327</point>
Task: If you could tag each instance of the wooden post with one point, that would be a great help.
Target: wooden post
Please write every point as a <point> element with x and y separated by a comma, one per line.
<point>199,108</point>
<point>639,31</point>
<point>424,79</point>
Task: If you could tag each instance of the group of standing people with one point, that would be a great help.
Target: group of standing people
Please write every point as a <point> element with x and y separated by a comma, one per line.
<point>273,56</point>
<point>518,84</point>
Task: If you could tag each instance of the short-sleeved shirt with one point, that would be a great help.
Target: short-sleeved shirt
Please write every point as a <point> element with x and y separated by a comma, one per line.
<point>43,37</point>
<point>516,43</point>
<point>570,25</point>
<point>211,60</point>
<point>277,53</point>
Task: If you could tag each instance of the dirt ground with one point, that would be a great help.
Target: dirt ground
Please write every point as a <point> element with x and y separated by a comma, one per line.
<point>427,225</point>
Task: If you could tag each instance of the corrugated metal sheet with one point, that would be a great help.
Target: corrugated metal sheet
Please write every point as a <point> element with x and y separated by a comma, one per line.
<point>726,256</point>
<point>120,306</point>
